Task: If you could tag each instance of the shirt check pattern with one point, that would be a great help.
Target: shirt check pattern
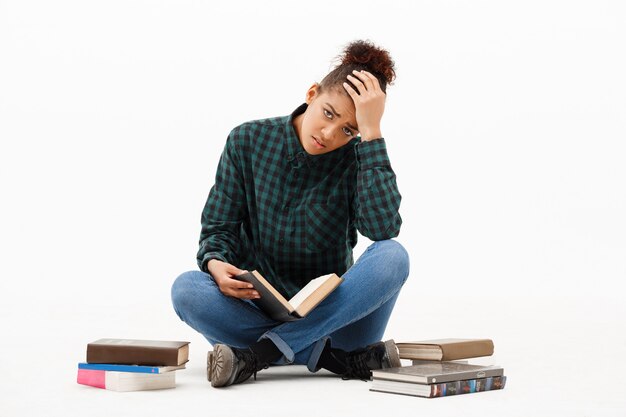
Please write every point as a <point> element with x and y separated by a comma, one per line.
<point>294,216</point>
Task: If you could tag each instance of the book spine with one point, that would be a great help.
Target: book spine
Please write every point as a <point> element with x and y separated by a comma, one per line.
<point>131,355</point>
<point>467,386</point>
<point>92,378</point>
<point>465,350</point>
<point>485,372</point>
<point>125,381</point>
<point>447,352</point>
<point>120,368</point>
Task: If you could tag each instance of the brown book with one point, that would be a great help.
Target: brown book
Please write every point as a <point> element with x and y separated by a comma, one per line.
<point>278,308</point>
<point>138,352</point>
<point>446,349</point>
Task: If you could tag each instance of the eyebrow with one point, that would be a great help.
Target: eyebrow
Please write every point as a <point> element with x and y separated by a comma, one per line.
<point>338,115</point>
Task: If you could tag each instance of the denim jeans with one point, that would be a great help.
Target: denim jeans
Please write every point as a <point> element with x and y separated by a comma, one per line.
<point>353,316</point>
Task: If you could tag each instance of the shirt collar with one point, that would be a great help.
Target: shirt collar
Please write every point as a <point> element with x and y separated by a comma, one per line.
<point>296,153</point>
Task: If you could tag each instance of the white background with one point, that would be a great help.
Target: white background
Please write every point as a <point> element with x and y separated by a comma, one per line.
<point>506,128</point>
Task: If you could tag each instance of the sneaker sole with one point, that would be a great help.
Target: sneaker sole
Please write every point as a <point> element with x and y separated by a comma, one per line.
<point>209,364</point>
<point>221,367</point>
<point>392,351</point>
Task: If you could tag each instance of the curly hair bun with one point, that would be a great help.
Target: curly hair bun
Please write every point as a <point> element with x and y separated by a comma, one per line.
<point>361,55</point>
<point>375,59</point>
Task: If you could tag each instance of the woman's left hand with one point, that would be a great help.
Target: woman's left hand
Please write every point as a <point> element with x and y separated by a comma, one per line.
<point>369,102</point>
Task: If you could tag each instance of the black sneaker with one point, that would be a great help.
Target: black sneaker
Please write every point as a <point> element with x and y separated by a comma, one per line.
<point>227,365</point>
<point>360,362</point>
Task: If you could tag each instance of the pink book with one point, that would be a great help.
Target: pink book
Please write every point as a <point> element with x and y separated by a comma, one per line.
<point>93,378</point>
<point>126,381</point>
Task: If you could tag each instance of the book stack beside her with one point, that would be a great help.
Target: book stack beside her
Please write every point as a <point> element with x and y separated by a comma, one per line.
<point>437,372</point>
<point>132,365</point>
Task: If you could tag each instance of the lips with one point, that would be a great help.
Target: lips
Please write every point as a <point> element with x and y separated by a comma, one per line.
<point>319,144</point>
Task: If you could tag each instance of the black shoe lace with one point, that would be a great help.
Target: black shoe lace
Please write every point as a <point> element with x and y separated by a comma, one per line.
<point>356,366</point>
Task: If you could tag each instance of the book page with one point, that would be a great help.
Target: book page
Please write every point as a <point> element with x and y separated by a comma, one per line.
<point>308,289</point>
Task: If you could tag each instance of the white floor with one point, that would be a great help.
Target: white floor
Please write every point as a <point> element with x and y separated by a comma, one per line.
<point>505,129</point>
<point>563,357</point>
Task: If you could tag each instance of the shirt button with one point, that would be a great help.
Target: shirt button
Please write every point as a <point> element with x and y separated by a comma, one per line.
<point>281,240</point>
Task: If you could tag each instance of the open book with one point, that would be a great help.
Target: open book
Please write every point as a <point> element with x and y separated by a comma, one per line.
<point>278,308</point>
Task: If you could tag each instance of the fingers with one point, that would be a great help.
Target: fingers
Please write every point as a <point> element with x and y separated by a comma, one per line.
<point>245,294</point>
<point>362,88</point>
<point>223,274</point>
<point>238,289</point>
<point>364,81</point>
<point>373,81</point>
<point>350,91</point>
<point>232,269</point>
<point>369,102</point>
<point>236,284</point>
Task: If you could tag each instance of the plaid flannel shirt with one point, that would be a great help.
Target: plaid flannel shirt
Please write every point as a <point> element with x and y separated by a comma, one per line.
<point>294,216</point>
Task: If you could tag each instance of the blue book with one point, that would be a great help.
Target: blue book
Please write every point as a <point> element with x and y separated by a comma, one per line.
<point>128,368</point>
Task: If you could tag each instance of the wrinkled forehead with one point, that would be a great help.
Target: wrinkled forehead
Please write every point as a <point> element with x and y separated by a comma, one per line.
<point>341,102</point>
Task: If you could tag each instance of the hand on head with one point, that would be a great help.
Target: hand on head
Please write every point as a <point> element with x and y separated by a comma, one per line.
<point>369,102</point>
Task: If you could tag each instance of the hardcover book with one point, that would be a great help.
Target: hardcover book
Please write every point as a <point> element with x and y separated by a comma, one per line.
<point>443,389</point>
<point>126,381</point>
<point>138,352</point>
<point>446,349</point>
<point>129,368</point>
<point>432,372</point>
<point>278,308</point>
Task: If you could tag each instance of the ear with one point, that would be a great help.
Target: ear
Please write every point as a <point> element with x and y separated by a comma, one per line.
<point>312,92</point>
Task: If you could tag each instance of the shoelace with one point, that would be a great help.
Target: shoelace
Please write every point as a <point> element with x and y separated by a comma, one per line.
<point>357,368</point>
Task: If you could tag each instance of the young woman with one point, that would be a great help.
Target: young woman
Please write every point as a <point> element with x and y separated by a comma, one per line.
<point>290,194</point>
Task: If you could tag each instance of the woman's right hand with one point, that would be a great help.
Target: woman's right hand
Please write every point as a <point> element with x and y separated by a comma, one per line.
<point>222,273</point>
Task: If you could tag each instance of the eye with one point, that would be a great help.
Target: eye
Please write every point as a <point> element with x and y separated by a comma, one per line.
<point>347,131</point>
<point>328,114</point>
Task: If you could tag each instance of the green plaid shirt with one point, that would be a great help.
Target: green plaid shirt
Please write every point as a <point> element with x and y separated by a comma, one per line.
<point>294,216</point>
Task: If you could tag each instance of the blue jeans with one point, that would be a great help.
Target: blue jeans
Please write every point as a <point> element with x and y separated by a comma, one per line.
<point>353,316</point>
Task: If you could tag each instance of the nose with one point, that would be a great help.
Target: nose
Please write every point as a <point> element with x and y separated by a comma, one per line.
<point>327,133</point>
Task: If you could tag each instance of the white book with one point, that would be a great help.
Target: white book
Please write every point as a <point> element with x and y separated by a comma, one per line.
<point>126,381</point>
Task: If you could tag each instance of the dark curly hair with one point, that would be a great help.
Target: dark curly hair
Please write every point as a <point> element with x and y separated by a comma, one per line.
<point>361,55</point>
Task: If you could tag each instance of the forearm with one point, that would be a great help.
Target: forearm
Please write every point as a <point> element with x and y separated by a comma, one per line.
<point>377,199</point>
<point>216,249</point>
<point>219,236</point>
<point>224,212</point>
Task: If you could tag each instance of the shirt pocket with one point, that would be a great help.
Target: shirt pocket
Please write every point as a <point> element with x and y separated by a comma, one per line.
<point>326,224</point>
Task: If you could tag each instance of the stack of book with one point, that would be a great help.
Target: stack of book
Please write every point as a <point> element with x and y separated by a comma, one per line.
<point>132,365</point>
<point>436,371</point>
